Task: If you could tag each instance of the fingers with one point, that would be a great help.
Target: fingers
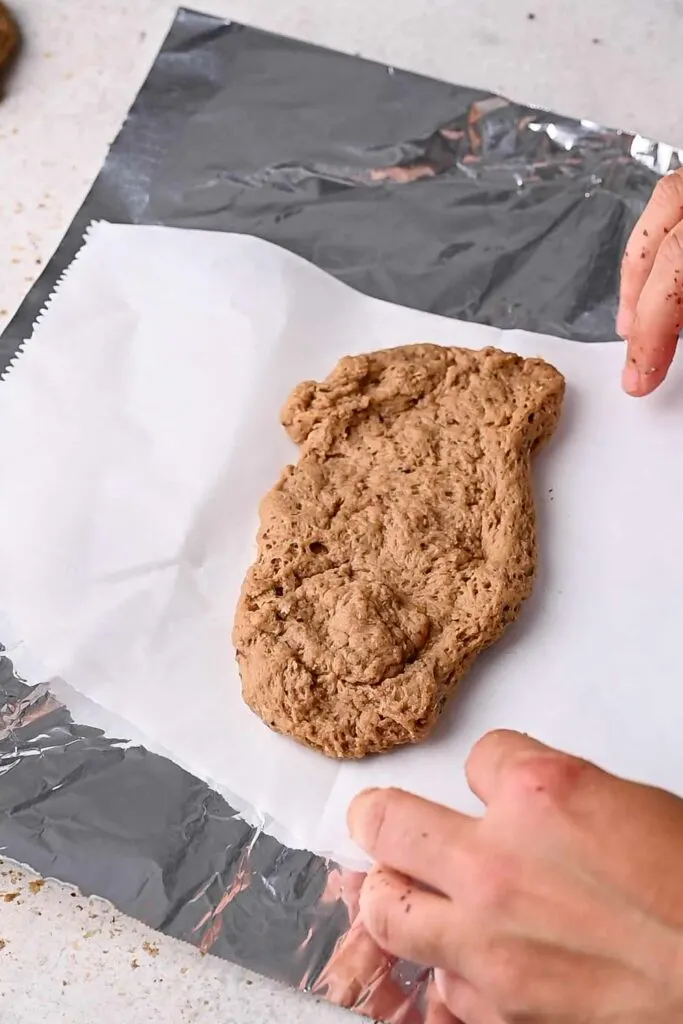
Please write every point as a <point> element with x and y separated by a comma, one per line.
<point>657,321</point>
<point>491,757</point>
<point>407,921</point>
<point>408,834</point>
<point>662,214</point>
<point>463,1000</point>
<point>651,293</point>
<point>525,781</point>
<point>356,965</point>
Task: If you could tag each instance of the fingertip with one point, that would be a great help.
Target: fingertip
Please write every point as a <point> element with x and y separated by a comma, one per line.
<point>498,736</point>
<point>495,742</point>
<point>632,380</point>
<point>355,808</point>
<point>639,379</point>
<point>364,794</point>
<point>491,754</point>
<point>364,816</point>
<point>404,919</point>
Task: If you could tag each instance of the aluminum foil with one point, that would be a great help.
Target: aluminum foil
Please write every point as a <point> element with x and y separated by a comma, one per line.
<point>436,196</point>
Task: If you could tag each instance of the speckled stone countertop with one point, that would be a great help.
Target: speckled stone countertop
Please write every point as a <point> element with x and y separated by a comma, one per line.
<point>62,957</point>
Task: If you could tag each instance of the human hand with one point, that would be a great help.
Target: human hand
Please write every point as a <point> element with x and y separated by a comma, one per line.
<point>564,902</point>
<point>358,970</point>
<point>651,295</point>
<point>359,975</point>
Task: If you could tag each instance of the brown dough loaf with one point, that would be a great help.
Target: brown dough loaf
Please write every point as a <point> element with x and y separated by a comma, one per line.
<point>399,546</point>
<point>9,37</point>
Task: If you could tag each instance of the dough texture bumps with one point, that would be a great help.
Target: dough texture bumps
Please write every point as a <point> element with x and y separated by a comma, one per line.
<point>399,546</point>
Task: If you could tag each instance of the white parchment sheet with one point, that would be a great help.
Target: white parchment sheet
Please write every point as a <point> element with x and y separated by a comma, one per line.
<point>138,431</point>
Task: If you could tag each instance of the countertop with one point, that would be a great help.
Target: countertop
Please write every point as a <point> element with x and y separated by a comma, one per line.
<point>63,957</point>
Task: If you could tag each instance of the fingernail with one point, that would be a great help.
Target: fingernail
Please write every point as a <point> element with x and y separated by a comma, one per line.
<point>632,379</point>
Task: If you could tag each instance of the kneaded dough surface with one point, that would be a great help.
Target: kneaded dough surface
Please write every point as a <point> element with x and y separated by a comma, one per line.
<point>398,547</point>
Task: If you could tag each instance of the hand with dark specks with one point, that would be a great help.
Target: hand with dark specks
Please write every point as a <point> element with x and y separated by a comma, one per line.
<point>650,313</point>
<point>563,902</point>
<point>359,973</point>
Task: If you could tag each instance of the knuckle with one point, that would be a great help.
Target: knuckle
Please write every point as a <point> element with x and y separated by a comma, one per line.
<point>547,778</point>
<point>671,249</point>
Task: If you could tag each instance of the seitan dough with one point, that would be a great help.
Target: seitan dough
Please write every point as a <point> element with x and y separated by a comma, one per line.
<point>9,37</point>
<point>399,546</point>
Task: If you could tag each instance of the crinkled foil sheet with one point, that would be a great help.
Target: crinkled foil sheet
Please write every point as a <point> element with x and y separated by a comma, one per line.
<point>432,195</point>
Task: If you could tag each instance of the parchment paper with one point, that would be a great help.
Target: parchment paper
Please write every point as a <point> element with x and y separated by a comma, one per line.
<point>138,431</point>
